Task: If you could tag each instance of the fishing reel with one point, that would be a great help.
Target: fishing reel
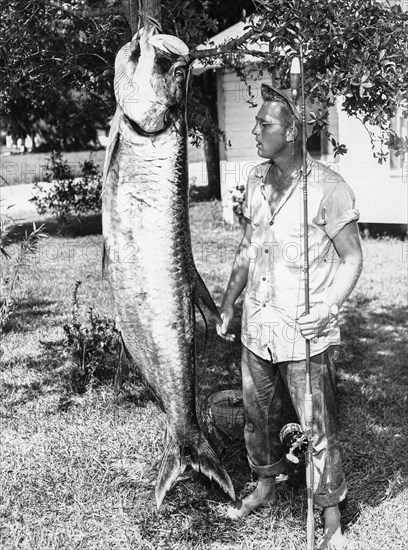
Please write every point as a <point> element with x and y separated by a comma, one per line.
<point>295,442</point>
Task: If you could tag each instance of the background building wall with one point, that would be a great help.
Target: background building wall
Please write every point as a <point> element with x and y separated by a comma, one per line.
<point>381,192</point>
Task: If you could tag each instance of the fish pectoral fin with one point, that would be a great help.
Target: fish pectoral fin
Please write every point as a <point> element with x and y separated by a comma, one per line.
<point>204,300</point>
<point>172,464</point>
<point>112,140</point>
<point>204,460</point>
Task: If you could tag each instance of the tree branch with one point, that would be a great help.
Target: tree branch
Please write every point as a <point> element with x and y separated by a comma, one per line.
<point>224,48</point>
<point>86,12</point>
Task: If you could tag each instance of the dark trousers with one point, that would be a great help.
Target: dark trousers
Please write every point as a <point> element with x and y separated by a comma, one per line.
<point>264,387</point>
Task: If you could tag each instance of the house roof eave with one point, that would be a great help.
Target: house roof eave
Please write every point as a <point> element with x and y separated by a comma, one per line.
<point>232,33</point>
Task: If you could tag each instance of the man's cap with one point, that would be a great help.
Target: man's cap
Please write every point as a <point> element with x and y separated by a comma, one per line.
<point>312,109</point>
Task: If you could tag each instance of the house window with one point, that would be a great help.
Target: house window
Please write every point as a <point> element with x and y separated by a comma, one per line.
<point>314,146</point>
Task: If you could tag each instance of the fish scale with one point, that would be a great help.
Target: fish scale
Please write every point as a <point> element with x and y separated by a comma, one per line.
<point>148,256</point>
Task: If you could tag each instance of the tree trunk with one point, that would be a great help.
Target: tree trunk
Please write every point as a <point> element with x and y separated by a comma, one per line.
<point>212,160</point>
<point>211,144</point>
<point>149,8</point>
<point>130,7</point>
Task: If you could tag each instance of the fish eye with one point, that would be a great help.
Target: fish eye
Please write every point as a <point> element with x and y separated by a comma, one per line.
<point>180,73</point>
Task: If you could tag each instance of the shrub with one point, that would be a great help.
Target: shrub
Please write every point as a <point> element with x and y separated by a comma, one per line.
<point>94,344</point>
<point>57,168</point>
<point>238,198</point>
<point>68,195</point>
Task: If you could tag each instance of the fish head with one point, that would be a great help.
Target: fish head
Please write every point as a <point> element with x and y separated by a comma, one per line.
<point>151,75</point>
<point>169,78</point>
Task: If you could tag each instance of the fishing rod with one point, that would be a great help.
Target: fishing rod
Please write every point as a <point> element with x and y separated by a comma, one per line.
<point>296,74</point>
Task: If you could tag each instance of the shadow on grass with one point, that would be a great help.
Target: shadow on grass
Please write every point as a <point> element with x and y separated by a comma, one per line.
<point>372,401</point>
<point>201,193</point>
<point>218,363</point>
<point>52,372</point>
<point>25,313</point>
<point>372,404</point>
<point>73,227</point>
<point>22,393</point>
<point>193,514</point>
<point>42,379</point>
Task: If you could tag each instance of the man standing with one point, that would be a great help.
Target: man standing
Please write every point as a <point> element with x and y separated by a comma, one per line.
<point>269,266</point>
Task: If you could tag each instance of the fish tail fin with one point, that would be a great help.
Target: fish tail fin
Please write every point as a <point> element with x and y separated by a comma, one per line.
<point>204,460</point>
<point>172,464</point>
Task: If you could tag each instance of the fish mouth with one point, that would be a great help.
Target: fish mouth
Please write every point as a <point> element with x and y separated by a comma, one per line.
<point>169,44</point>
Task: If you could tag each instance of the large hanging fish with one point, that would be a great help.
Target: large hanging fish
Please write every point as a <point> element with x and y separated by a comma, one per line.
<point>148,253</point>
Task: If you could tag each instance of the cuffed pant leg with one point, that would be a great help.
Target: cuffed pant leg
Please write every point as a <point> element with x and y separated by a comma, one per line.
<point>329,482</point>
<point>263,394</point>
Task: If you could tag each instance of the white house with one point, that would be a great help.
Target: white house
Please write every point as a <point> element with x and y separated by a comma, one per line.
<point>381,190</point>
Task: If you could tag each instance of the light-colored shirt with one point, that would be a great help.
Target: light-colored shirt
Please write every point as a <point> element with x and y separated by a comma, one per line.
<point>274,295</point>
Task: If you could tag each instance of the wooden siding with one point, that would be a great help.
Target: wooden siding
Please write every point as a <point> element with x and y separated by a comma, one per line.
<point>237,116</point>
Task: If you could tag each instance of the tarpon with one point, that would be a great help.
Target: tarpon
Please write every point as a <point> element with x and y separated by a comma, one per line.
<point>149,260</point>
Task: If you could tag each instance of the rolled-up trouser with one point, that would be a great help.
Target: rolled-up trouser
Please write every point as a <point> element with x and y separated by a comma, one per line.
<point>264,386</point>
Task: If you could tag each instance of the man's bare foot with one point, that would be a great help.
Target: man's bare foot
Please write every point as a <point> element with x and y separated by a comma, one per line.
<point>333,538</point>
<point>263,494</point>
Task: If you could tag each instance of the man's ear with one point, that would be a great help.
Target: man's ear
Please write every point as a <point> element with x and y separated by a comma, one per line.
<point>292,132</point>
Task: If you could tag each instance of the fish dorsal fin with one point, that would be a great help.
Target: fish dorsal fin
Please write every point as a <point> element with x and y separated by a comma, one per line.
<point>204,300</point>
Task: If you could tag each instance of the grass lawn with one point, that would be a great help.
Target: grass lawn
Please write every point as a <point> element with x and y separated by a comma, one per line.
<point>76,465</point>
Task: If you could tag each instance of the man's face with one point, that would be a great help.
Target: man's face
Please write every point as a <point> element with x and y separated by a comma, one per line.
<point>270,130</point>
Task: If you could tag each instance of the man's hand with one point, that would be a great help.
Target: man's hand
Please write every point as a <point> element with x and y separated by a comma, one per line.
<point>312,325</point>
<point>227,313</point>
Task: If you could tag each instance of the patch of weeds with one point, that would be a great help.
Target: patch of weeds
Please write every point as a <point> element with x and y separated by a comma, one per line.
<point>94,345</point>
<point>27,246</point>
<point>136,392</point>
